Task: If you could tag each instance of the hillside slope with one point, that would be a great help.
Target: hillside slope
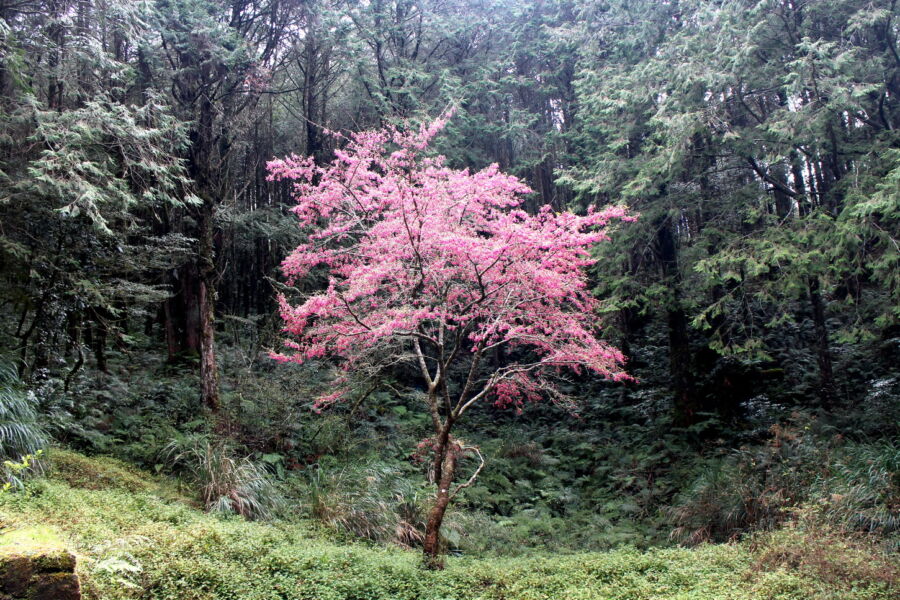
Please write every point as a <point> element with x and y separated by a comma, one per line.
<point>136,536</point>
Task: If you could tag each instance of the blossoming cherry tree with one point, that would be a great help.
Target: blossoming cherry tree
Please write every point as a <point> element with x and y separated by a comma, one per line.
<point>440,269</point>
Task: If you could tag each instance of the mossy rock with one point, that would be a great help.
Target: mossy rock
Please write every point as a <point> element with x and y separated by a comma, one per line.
<point>55,586</point>
<point>34,565</point>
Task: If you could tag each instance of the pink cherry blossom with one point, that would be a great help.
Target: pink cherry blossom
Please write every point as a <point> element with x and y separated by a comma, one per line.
<point>437,267</point>
<point>441,269</point>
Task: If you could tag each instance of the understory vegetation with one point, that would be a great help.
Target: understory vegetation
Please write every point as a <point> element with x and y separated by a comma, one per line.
<point>138,536</point>
<point>551,485</point>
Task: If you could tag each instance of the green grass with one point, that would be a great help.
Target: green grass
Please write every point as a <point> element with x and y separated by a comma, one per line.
<point>136,536</point>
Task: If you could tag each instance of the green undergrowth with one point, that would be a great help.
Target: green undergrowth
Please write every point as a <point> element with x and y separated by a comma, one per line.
<point>137,537</point>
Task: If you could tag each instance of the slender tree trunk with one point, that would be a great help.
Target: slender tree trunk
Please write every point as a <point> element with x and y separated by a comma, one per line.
<point>56,33</point>
<point>432,544</point>
<point>687,405</point>
<point>172,344</point>
<point>441,444</point>
<point>799,184</point>
<point>205,179</point>
<point>79,360</point>
<point>209,374</point>
<point>313,146</point>
<point>98,344</point>
<point>190,303</point>
<point>823,349</point>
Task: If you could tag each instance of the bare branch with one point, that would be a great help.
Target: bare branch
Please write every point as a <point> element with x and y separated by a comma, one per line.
<point>471,479</point>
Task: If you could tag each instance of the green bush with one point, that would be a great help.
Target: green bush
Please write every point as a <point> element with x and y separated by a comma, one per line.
<point>133,411</point>
<point>818,551</point>
<point>861,491</point>
<point>854,487</point>
<point>226,483</point>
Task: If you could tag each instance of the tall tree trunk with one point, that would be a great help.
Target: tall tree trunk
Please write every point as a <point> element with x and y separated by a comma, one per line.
<point>202,170</point>
<point>823,349</point>
<point>310,84</point>
<point>56,33</point>
<point>209,375</point>
<point>99,334</point>
<point>173,345</point>
<point>686,405</point>
<point>191,304</point>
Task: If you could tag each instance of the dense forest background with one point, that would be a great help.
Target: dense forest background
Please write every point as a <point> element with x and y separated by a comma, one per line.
<point>757,297</point>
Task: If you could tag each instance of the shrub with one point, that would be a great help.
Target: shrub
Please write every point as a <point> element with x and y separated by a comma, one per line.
<point>825,554</point>
<point>751,488</point>
<point>853,487</point>
<point>136,544</point>
<point>133,411</point>
<point>372,501</point>
<point>227,484</point>
<point>97,472</point>
<point>862,491</point>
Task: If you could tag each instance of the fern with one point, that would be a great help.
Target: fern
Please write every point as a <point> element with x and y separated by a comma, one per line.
<point>21,435</point>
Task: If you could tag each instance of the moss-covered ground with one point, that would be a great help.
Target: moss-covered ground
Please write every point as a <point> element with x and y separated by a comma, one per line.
<point>138,536</point>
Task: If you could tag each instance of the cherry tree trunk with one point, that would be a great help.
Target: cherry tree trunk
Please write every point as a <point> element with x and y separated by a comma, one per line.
<point>432,544</point>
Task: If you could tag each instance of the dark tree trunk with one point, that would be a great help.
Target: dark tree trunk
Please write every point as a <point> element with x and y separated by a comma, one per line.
<point>172,344</point>
<point>98,344</point>
<point>823,349</point>
<point>202,170</point>
<point>191,308</point>
<point>686,404</point>
<point>56,33</point>
<point>182,313</point>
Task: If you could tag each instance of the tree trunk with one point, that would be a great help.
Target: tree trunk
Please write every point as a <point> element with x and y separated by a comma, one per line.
<point>432,544</point>
<point>208,186</point>
<point>685,404</point>
<point>209,375</point>
<point>823,350</point>
<point>190,308</point>
<point>98,341</point>
<point>56,33</point>
<point>172,344</point>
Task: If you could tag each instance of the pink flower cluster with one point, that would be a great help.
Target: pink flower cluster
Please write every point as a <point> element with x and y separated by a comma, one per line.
<point>416,251</point>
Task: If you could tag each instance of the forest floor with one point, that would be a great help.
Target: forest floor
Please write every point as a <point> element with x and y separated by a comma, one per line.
<point>137,535</point>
